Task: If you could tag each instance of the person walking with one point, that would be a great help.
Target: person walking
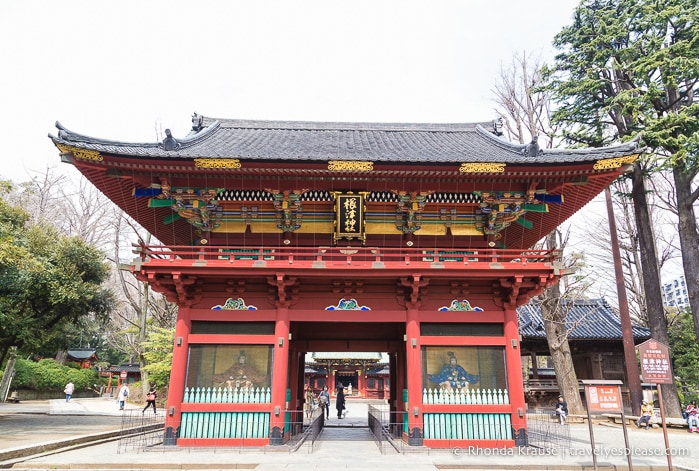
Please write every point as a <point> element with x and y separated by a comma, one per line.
<point>70,387</point>
<point>324,400</point>
<point>150,399</point>
<point>123,394</point>
<point>340,401</point>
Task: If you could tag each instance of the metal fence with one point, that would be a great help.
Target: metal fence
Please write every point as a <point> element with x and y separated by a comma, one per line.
<point>140,430</point>
<point>144,432</point>
<point>546,430</point>
<point>387,428</point>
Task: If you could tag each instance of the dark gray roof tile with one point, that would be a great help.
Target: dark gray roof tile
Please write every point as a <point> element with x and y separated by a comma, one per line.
<point>587,319</point>
<point>323,141</point>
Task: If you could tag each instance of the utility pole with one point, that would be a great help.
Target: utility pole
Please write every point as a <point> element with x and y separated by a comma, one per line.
<point>631,366</point>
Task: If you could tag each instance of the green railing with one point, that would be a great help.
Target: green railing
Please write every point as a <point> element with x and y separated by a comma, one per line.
<point>467,426</point>
<point>224,425</point>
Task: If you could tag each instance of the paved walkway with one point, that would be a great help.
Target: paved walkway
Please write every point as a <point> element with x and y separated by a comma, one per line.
<point>343,444</point>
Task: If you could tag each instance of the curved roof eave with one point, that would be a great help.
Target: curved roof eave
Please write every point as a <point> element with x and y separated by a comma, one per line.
<point>322,142</point>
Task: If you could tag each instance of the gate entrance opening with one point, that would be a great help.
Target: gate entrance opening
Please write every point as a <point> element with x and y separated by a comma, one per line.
<point>362,357</point>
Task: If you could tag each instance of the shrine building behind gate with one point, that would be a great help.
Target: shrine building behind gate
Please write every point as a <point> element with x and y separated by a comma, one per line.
<point>282,238</point>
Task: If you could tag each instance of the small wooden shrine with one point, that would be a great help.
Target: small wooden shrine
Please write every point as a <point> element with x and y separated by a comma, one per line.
<point>282,238</point>
<point>596,343</point>
<point>85,357</point>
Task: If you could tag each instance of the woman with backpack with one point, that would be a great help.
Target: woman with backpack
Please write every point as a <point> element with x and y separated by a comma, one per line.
<point>122,396</point>
<point>324,399</point>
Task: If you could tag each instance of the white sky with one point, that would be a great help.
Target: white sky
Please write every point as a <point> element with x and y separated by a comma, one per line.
<point>127,70</point>
<point>121,70</point>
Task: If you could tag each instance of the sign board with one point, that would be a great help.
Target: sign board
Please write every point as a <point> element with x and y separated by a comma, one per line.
<point>603,398</point>
<point>656,366</point>
<point>122,375</point>
<point>349,216</point>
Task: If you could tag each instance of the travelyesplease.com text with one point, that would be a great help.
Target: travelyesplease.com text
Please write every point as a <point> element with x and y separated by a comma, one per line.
<point>600,452</point>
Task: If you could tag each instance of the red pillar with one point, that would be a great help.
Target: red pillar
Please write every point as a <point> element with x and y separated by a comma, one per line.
<point>513,361</point>
<point>331,380</point>
<point>298,380</point>
<point>279,376</point>
<point>414,376</point>
<point>361,383</point>
<point>397,381</point>
<point>178,375</point>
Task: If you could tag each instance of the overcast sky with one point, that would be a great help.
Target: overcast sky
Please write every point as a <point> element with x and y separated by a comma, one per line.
<point>126,70</point>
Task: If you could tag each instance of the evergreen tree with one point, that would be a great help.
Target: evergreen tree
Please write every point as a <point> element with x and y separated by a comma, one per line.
<point>49,284</point>
<point>632,66</point>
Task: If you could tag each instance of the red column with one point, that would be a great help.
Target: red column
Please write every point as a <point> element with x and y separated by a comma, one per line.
<point>298,380</point>
<point>513,361</point>
<point>279,376</point>
<point>397,381</point>
<point>361,383</point>
<point>331,380</point>
<point>414,376</point>
<point>178,374</point>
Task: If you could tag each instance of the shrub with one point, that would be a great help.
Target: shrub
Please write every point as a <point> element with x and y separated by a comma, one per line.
<point>49,375</point>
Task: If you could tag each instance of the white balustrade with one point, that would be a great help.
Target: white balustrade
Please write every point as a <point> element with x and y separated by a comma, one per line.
<point>465,396</point>
<point>227,395</point>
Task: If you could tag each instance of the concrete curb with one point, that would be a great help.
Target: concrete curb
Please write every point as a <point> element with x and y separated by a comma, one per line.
<point>13,456</point>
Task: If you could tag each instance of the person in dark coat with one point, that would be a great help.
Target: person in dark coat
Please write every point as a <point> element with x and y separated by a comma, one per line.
<point>340,401</point>
<point>150,399</point>
<point>562,410</point>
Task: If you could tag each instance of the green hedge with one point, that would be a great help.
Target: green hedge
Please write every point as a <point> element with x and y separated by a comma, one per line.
<point>47,374</point>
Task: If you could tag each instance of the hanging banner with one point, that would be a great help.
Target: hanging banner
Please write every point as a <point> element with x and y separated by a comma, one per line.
<point>349,216</point>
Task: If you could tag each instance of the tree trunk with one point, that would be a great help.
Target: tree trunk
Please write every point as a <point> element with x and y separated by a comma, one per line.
<point>142,321</point>
<point>554,318</point>
<point>7,374</point>
<point>689,240</point>
<point>651,280</point>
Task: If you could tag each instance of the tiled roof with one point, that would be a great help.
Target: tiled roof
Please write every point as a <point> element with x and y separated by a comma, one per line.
<point>374,356</point>
<point>81,353</point>
<point>590,319</point>
<point>379,370</point>
<point>324,141</point>
<point>128,368</point>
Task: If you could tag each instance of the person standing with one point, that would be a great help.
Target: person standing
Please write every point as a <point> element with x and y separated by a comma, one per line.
<point>70,387</point>
<point>150,399</point>
<point>562,409</point>
<point>324,399</point>
<point>123,394</point>
<point>693,416</point>
<point>308,401</point>
<point>340,401</point>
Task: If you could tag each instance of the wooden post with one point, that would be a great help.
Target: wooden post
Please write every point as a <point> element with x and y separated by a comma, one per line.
<point>631,366</point>
<point>414,376</point>
<point>178,374</point>
<point>279,376</point>
<point>592,438</point>
<point>513,360</point>
<point>662,421</point>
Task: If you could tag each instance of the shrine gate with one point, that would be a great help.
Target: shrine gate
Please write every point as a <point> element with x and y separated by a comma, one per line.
<point>281,238</point>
